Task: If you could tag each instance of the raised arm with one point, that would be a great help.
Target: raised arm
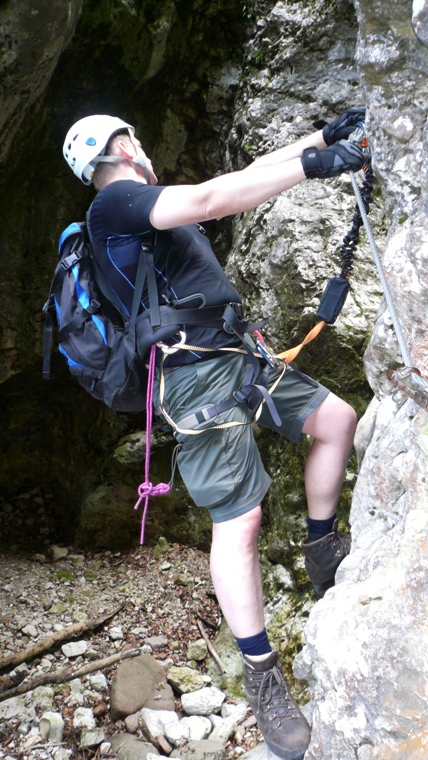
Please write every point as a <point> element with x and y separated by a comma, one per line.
<point>224,195</point>
<point>294,150</point>
<point>267,176</point>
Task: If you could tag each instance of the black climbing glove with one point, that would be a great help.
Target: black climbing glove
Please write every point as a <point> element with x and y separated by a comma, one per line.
<point>332,161</point>
<point>341,127</point>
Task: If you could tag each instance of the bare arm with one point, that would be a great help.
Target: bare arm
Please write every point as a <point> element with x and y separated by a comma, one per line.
<point>295,150</point>
<point>235,192</point>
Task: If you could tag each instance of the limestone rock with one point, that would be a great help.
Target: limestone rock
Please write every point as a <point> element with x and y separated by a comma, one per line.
<point>203,750</point>
<point>32,38</point>
<point>198,727</point>
<point>177,733</point>
<point>420,20</point>
<point>127,747</point>
<point>224,729</point>
<point>203,702</point>
<point>365,640</point>
<point>83,718</point>
<point>51,726</point>
<point>197,650</point>
<point>92,738</point>
<point>155,721</point>
<point>74,648</point>
<point>138,683</point>
<point>184,680</point>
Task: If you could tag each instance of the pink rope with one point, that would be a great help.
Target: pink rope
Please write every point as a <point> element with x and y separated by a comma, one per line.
<point>147,489</point>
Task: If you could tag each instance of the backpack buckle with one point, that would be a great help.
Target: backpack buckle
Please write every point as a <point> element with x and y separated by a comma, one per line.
<point>71,260</point>
<point>239,396</point>
<point>93,306</point>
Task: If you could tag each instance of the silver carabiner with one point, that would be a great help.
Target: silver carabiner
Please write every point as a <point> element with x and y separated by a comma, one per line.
<point>176,347</point>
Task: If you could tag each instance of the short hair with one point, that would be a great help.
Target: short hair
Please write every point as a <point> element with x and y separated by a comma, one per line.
<point>103,170</point>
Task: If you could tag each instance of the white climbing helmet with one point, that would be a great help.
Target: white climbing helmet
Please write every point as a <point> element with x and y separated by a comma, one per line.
<point>87,139</point>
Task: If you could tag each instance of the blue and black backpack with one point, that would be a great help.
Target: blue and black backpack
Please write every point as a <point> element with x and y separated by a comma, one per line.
<point>105,349</point>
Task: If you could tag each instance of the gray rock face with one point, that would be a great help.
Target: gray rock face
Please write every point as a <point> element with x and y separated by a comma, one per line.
<point>128,747</point>
<point>203,702</point>
<point>366,640</point>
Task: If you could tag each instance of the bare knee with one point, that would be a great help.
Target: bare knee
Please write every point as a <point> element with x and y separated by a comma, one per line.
<point>240,532</point>
<point>345,420</point>
<point>334,419</point>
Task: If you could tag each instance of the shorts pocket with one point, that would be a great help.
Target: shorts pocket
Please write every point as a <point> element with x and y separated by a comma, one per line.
<point>205,467</point>
<point>221,466</point>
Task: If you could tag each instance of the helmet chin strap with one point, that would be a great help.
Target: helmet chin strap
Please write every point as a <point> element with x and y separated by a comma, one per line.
<point>117,159</point>
<point>141,162</point>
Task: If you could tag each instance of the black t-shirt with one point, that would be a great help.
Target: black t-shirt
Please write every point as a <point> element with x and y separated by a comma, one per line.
<point>184,260</point>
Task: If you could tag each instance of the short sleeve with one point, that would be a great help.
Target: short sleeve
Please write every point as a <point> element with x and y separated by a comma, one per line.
<point>123,208</point>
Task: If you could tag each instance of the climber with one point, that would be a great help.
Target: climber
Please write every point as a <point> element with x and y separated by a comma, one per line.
<point>222,468</point>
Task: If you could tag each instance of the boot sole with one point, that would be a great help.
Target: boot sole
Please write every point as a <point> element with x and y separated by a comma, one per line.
<point>286,754</point>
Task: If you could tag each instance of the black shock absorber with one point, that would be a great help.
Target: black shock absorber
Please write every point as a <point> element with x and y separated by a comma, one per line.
<point>337,288</point>
<point>351,239</point>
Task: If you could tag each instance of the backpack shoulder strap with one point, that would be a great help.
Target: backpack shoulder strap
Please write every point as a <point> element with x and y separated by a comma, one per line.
<point>148,244</point>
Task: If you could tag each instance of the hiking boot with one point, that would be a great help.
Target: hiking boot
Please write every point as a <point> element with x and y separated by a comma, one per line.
<point>285,730</point>
<point>323,557</point>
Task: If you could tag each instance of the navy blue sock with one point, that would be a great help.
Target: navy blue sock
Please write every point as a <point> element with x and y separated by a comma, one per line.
<point>255,645</point>
<point>319,528</point>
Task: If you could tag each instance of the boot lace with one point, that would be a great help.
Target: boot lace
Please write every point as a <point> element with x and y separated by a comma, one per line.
<point>273,696</point>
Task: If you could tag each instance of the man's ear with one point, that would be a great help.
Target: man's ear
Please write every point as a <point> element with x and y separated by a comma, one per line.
<point>125,149</point>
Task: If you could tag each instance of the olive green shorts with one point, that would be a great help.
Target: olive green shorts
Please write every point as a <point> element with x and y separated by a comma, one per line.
<point>222,468</point>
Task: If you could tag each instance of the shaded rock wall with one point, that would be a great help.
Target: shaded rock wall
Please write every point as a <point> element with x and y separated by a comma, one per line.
<point>366,641</point>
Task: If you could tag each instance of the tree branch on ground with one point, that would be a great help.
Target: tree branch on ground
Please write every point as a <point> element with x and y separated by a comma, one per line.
<point>70,632</point>
<point>65,676</point>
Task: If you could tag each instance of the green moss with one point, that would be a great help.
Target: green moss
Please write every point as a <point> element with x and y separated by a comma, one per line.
<point>63,575</point>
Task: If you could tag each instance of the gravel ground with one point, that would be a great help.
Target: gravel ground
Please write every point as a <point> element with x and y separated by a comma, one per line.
<point>164,591</point>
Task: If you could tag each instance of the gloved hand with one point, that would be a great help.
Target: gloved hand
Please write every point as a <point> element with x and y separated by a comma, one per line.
<point>341,127</point>
<point>332,161</point>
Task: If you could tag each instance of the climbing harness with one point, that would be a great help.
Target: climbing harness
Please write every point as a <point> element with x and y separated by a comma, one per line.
<point>253,390</point>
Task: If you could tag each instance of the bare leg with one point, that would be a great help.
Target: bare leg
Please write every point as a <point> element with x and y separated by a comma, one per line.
<point>236,574</point>
<point>332,426</point>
